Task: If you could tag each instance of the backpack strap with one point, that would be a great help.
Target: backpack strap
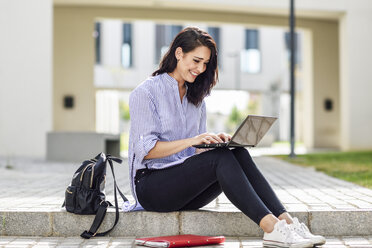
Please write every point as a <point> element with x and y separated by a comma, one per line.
<point>117,160</point>
<point>101,212</point>
<point>100,215</point>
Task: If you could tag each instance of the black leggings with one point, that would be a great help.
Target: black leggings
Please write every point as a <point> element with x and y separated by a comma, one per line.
<point>201,178</point>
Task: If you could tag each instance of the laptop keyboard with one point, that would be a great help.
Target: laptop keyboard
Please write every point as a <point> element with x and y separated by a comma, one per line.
<point>215,145</point>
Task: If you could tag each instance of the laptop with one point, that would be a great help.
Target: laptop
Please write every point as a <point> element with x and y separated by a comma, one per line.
<point>249,133</point>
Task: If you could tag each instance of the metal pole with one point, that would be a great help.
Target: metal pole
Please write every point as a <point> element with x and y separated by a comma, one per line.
<point>292,69</point>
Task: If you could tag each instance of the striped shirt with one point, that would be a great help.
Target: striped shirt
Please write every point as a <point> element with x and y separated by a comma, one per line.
<point>157,114</point>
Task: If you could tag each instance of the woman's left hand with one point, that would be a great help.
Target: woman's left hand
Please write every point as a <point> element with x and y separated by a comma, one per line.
<point>224,136</point>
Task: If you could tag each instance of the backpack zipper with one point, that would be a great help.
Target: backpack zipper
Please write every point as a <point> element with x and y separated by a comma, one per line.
<point>82,174</point>
<point>91,177</point>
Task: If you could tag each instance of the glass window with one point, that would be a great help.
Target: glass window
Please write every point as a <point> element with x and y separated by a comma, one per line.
<point>251,55</point>
<point>287,38</point>
<point>126,47</point>
<point>97,43</point>
<point>164,36</point>
<point>215,33</point>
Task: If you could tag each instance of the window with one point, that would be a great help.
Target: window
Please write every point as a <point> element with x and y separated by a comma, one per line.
<point>97,44</point>
<point>126,47</point>
<point>164,36</point>
<point>287,40</point>
<point>215,33</point>
<point>251,55</point>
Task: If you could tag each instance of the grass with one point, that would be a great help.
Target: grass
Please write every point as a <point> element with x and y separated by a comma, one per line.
<point>287,144</point>
<point>124,141</point>
<point>354,167</point>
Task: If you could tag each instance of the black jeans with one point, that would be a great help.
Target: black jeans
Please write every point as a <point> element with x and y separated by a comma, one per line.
<point>201,178</point>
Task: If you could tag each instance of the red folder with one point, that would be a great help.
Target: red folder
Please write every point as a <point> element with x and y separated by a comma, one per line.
<point>180,241</point>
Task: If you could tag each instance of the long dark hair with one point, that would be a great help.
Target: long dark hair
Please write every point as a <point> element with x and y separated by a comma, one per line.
<point>189,39</point>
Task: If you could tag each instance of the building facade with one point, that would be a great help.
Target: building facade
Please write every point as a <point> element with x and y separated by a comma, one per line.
<point>47,59</point>
<point>256,60</point>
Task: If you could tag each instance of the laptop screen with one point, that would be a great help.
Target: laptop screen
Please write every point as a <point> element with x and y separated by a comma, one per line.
<point>253,128</point>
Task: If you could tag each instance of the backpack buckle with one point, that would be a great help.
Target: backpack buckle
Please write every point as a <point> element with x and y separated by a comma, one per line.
<point>104,202</point>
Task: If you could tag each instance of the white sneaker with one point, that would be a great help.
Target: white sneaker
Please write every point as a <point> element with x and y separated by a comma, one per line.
<point>284,236</point>
<point>302,230</point>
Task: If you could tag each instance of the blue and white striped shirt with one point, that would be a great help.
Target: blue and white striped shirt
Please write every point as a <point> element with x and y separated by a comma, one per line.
<point>157,114</point>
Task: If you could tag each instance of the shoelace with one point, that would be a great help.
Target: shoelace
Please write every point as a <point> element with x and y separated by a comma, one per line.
<point>300,228</point>
<point>305,230</point>
<point>289,233</point>
<point>289,237</point>
<point>294,235</point>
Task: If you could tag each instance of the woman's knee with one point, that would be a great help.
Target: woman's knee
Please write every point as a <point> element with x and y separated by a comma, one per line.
<point>226,157</point>
<point>221,157</point>
<point>242,153</point>
<point>223,153</point>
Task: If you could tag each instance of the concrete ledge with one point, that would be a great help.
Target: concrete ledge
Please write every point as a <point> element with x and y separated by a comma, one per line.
<point>130,224</point>
<point>218,223</point>
<point>341,223</point>
<point>26,224</point>
<point>202,222</point>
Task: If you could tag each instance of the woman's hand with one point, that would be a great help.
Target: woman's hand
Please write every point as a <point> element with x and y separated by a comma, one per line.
<point>167,148</point>
<point>224,136</point>
<point>207,138</point>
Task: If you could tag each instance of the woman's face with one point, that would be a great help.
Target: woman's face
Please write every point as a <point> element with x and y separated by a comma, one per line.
<point>191,64</point>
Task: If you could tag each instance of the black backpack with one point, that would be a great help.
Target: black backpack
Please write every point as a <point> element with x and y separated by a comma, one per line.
<point>86,195</point>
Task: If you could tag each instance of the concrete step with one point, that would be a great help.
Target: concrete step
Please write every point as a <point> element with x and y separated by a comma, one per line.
<point>60,223</point>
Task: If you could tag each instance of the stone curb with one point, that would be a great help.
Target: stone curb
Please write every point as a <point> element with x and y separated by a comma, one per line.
<point>60,223</point>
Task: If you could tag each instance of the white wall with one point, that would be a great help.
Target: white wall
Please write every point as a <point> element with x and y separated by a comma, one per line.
<point>25,76</point>
<point>112,37</point>
<point>230,56</point>
<point>107,111</point>
<point>356,80</point>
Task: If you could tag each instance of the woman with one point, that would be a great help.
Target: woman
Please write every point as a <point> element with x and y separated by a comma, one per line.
<point>168,117</point>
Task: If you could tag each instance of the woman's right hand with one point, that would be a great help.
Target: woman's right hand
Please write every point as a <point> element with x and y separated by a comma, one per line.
<point>206,138</point>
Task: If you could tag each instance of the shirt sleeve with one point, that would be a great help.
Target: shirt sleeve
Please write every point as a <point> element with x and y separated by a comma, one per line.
<point>203,119</point>
<point>145,123</point>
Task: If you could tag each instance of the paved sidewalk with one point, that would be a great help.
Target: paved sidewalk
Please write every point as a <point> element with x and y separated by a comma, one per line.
<point>40,185</point>
<point>127,242</point>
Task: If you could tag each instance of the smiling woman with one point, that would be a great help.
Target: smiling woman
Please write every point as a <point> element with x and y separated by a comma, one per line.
<point>191,64</point>
<point>168,117</point>
<point>192,61</point>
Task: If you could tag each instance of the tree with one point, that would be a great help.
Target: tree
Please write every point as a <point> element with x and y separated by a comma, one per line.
<point>124,110</point>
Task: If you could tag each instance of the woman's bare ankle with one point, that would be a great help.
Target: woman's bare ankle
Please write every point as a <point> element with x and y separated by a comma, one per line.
<point>287,217</point>
<point>267,223</point>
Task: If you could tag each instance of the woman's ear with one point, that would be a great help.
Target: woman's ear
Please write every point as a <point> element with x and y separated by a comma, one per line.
<point>178,53</point>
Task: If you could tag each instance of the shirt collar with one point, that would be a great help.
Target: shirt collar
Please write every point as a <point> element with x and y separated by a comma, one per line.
<point>172,81</point>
